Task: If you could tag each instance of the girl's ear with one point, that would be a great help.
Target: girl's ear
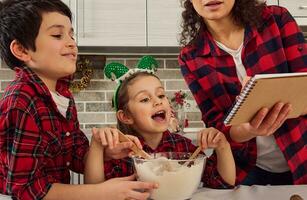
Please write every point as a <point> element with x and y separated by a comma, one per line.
<point>19,51</point>
<point>124,117</point>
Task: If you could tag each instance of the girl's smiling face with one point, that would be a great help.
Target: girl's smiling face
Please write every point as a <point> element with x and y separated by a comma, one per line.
<point>148,106</point>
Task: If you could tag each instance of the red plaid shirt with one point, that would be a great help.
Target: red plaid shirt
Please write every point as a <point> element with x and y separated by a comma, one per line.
<point>170,142</point>
<point>276,47</point>
<point>38,145</point>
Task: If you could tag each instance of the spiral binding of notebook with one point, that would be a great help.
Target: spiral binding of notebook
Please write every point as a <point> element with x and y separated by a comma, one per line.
<point>239,101</point>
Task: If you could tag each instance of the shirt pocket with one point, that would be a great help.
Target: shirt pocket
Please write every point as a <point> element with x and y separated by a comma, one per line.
<point>53,146</point>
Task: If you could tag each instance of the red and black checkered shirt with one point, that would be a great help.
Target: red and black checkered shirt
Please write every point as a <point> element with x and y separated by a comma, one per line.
<point>38,145</point>
<point>277,46</point>
<point>170,142</point>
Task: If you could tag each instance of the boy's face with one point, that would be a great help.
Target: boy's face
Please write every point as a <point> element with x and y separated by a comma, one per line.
<point>56,51</point>
<point>148,106</point>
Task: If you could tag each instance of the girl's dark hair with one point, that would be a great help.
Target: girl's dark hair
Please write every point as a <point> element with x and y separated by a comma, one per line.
<point>123,99</point>
<point>244,12</point>
<point>20,20</point>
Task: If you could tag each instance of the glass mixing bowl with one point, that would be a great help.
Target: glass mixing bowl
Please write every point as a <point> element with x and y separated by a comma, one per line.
<point>178,177</point>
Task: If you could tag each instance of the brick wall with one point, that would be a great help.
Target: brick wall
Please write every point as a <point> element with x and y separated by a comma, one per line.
<point>94,103</point>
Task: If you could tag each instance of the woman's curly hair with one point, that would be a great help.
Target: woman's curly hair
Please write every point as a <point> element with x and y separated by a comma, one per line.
<point>244,12</point>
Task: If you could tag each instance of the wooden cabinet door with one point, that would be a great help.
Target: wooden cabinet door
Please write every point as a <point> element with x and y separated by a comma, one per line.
<point>163,22</point>
<point>111,22</point>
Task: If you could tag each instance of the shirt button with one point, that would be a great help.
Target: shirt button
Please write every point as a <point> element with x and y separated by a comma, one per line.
<point>67,163</point>
<point>300,48</point>
<point>67,134</point>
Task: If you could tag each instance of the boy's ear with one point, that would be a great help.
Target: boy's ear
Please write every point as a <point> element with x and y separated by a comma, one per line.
<point>19,51</point>
<point>123,117</point>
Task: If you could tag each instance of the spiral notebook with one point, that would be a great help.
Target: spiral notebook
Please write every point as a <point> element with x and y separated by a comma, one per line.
<point>265,90</point>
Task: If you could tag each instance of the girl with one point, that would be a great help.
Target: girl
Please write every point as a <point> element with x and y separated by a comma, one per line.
<point>143,110</point>
<point>223,42</point>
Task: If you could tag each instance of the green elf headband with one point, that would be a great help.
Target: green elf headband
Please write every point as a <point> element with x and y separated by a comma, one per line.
<point>118,72</point>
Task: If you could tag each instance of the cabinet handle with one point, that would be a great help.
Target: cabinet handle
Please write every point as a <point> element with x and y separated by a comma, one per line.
<point>303,7</point>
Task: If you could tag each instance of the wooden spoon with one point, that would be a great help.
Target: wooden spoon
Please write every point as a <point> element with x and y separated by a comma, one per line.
<point>193,156</point>
<point>136,150</point>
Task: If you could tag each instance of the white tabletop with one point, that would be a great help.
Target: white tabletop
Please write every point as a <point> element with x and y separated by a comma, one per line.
<point>255,192</point>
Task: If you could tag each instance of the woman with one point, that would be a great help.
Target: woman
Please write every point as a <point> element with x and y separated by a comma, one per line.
<point>225,41</point>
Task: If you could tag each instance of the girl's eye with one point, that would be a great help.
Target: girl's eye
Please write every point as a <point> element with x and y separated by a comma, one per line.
<point>162,96</point>
<point>145,100</point>
<point>57,36</point>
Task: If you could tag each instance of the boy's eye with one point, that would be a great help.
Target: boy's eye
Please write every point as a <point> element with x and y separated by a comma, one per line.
<point>144,100</point>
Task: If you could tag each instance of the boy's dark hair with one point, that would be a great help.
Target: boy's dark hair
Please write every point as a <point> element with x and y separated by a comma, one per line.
<point>20,20</point>
<point>244,12</point>
<point>123,99</point>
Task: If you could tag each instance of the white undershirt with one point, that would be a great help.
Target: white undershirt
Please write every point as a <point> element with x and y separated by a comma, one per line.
<point>61,102</point>
<point>269,155</point>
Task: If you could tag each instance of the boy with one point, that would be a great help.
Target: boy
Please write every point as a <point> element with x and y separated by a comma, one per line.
<point>40,139</point>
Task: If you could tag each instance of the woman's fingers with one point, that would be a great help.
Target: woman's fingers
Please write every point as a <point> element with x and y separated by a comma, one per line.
<point>259,117</point>
<point>282,117</point>
<point>272,116</point>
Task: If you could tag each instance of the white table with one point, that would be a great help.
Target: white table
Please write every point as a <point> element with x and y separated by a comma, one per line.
<point>4,197</point>
<point>255,192</point>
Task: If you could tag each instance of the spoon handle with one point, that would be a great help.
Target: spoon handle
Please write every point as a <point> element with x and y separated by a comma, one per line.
<point>136,150</point>
<point>195,153</point>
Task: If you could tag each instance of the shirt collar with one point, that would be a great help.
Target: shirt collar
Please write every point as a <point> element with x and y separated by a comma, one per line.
<point>166,143</point>
<point>27,75</point>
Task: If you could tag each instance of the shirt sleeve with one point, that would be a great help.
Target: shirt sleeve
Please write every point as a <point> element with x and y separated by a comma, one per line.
<point>211,177</point>
<point>80,149</point>
<point>213,115</point>
<point>293,40</point>
<point>118,168</point>
<point>23,157</point>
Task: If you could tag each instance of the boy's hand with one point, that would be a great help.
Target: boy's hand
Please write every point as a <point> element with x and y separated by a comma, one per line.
<point>109,140</point>
<point>212,138</point>
<point>126,188</point>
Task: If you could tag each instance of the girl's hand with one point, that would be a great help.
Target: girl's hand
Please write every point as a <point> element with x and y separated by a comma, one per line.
<point>126,188</point>
<point>113,149</point>
<point>174,125</point>
<point>212,138</point>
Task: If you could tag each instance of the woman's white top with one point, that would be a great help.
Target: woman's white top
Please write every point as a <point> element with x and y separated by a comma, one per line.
<point>269,155</point>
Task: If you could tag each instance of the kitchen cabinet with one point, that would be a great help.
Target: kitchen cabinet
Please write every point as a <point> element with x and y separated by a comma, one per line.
<point>111,23</point>
<point>142,23</point>
<point>71,4</point>
<point>298,8</point>
<point>272,2</point>
<point>128,23</point>
<point>163,22</point>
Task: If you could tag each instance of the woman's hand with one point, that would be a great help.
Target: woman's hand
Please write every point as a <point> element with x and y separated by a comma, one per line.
<point>264,123</point>
<point>108,138</point>
<point>126,188</point>
<point>212,138</point>
<point>304,113</point>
